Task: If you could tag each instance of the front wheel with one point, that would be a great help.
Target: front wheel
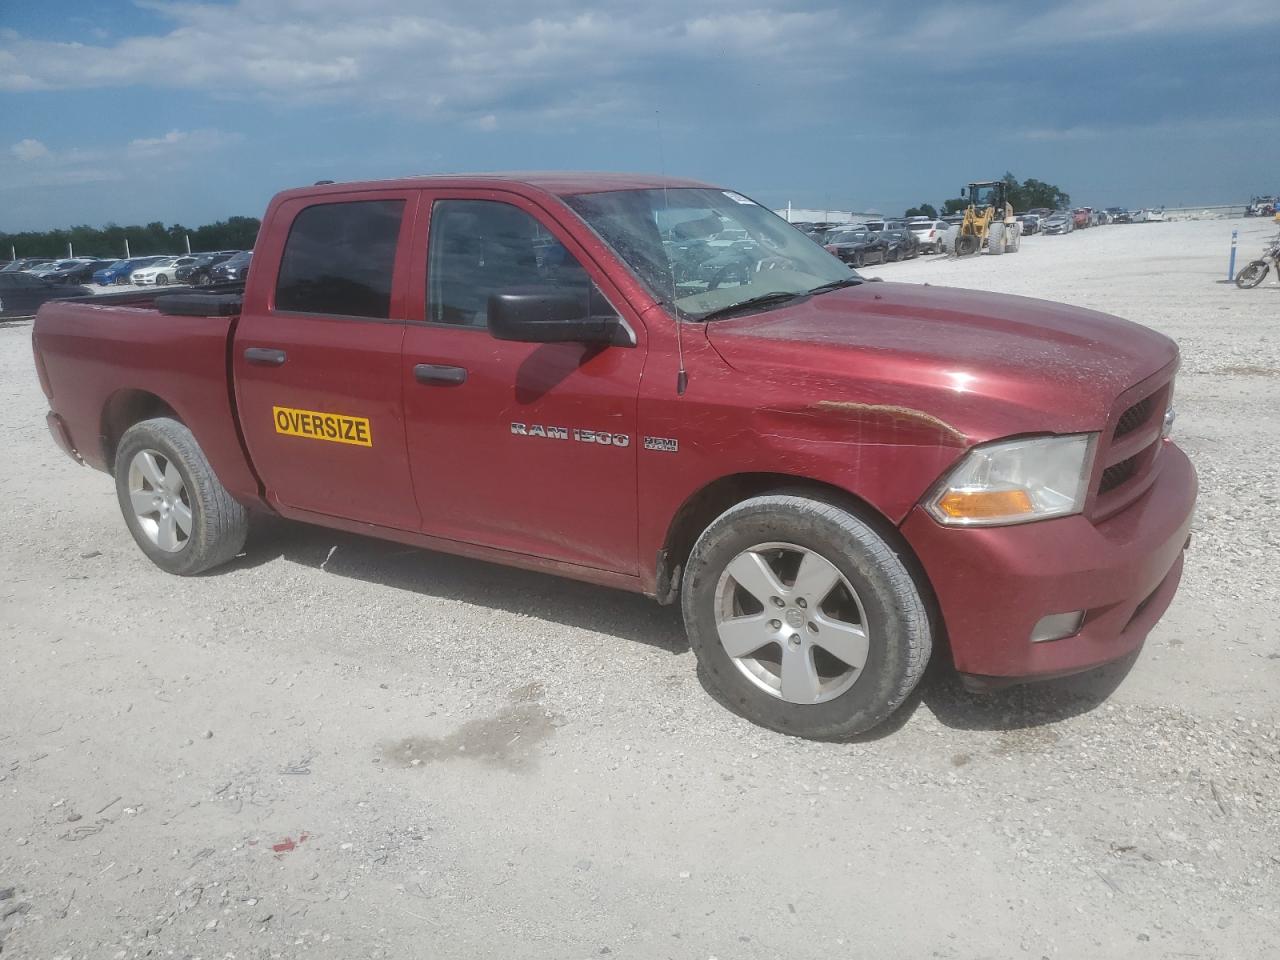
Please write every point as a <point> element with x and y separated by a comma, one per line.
<point>161,279</point>
<point>803,618</point>
<point>179,513</point>
<point>1252,275</point>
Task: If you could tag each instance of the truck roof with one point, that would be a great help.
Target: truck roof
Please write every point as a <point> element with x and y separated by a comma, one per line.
<point>558,183</point>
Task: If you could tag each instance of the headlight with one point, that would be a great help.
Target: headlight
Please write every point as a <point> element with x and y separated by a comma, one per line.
<point>1016,481</point>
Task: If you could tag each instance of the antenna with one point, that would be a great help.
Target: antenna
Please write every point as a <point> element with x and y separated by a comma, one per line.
<point>682,375</point>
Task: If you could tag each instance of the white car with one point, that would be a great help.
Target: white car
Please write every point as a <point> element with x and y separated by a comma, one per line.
<point>41,269</point>
<point>161,272</point>
<point>931,234</point>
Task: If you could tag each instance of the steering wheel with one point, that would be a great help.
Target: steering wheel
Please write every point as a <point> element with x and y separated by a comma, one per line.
<point>723,274</point>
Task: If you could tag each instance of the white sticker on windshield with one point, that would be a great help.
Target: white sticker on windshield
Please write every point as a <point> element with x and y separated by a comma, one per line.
<point>738,198</point>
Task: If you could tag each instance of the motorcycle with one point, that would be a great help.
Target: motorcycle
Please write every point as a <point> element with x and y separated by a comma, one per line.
<point>1256,271</point>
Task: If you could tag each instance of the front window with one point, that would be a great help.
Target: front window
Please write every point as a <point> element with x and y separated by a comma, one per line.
<point>705,250</point>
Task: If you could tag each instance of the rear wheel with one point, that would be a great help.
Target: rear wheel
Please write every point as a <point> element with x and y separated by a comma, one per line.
<point>1014,235</point>
<point>995,239</point>
<point>178,511</point>
<point>859,260</point>
<point>1252,275</point>
<point>803,619</point>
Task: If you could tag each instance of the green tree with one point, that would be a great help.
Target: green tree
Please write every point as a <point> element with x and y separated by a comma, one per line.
<point>953,205</point>
<point>924,210</point>
<point>234,233</point>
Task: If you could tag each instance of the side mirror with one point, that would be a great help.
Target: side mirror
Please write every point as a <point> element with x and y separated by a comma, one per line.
<point>553,317</point>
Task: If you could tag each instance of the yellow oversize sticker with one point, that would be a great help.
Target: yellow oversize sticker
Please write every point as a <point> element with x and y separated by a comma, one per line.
<point>334,427</point>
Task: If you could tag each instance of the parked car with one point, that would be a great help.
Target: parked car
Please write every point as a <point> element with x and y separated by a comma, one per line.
<point>1058,223</point>
<point>930,234</point>
<point>1080,218</point>
<point>197,274</point>
<point>1149,216</point>
<point>859,247</point>
<point>81,272</point>
<point>21,293</point>
<point>1119,215</point>
<point>24,263</point>
<point>1030,223</point>
<point>41,269</point>
<point>161,272</point>
<point>235,269</point>
<point>119,272</point>
<point>903,244</point>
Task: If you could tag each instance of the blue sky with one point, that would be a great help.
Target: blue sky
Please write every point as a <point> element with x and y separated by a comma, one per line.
<point>193,111</point>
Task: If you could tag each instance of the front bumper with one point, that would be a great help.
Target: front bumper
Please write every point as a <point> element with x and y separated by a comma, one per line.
<point>994,584</point>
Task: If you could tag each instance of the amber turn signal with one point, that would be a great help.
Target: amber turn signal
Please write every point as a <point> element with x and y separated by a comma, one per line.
<point>985,504</point>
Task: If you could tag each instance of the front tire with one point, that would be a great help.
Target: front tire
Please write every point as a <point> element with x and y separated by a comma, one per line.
<point>1252,275</point>
<point>161,279</point>
<point>803,618</point>
<point>179,513</point>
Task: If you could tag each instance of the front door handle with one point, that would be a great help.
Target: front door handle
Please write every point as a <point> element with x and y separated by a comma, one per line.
<point>435,373</point>
<point>265,356</point>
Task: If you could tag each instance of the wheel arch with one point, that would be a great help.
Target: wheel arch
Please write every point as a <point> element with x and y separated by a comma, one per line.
<point>704,505</point>
<point>122,411</point>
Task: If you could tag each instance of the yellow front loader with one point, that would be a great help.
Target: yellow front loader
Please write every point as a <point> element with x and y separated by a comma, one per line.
<point>988,220</point>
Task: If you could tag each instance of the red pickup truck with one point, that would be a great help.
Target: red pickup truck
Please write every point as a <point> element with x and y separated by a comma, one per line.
<point>656,385</point>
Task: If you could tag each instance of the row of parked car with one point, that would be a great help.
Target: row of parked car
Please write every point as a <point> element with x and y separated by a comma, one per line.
<point>195,268</point>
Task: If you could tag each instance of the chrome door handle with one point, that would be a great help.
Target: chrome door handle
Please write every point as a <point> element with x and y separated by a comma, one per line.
<point>265,356</point>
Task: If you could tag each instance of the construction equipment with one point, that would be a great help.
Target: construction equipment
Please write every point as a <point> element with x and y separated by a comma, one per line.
<point>988,219</point>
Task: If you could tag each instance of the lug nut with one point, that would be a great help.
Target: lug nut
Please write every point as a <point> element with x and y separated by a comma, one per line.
<point>777,602</point>
<point>795,640</point>
<point>775,624</point>
<point>801,602</point>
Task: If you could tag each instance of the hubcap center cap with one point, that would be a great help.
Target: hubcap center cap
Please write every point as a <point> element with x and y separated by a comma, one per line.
<point>795,618</point>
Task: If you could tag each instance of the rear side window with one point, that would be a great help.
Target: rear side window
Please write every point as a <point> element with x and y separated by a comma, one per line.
<point>339,258</point>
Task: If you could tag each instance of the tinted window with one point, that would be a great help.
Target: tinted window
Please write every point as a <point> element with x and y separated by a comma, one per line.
<point>338,259</point>
<point>482,247</point>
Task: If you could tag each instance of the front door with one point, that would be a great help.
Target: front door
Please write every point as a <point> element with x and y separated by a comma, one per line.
<point>316,359</point>
<point>524,447</point>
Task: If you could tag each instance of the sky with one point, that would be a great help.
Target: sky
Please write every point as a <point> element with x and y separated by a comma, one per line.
<point>131,111</point>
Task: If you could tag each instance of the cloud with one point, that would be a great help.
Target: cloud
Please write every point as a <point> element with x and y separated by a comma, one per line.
<point>429,59</point>
<point>28,150</point>
<point>37,166</point>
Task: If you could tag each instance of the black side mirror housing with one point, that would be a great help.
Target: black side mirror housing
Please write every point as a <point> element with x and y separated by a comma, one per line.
<point>539,316</point>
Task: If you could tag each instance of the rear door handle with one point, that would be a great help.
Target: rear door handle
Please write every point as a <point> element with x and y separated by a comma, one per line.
<point>265,356</point>
<point>435,373</point>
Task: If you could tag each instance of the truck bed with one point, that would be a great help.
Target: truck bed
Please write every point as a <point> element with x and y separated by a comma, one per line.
<point>101,362</point>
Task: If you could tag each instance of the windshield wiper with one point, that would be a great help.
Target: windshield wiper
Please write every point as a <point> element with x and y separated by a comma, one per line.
<point>761,300</point>
<point>837,284</point>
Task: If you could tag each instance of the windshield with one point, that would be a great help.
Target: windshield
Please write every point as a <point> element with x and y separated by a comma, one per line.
<point>704,249</point>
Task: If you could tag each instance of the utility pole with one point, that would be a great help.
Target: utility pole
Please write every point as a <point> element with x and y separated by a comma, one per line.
<point>187,237</point>
<point>126,248</point>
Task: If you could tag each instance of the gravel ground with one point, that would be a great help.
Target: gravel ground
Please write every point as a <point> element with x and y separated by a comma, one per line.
<point>342,748</point>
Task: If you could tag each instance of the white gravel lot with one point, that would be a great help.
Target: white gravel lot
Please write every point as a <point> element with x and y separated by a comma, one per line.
<point>225,766</point>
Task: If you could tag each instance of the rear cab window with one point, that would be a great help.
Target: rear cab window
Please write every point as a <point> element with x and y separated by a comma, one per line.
<point>339,259</point>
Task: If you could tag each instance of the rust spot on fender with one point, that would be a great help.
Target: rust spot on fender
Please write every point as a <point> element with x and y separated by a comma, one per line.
<point>878,416</point>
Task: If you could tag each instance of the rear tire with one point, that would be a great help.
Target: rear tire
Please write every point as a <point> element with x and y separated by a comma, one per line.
<point>1252,275</point>
<point>995,239</point>
<point>179,513</point>
<point>1015,240</point>
<point>872,611</point>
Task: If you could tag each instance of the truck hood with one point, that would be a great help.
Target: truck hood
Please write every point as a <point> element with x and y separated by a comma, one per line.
<point>979,365</point>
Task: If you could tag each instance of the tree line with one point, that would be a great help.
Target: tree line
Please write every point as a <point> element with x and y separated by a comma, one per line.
<point>1027,195</point>
<point>234,233</point>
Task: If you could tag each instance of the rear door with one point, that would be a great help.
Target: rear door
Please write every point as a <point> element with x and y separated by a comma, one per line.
<point>527,447</point>
<point>316,358</point>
